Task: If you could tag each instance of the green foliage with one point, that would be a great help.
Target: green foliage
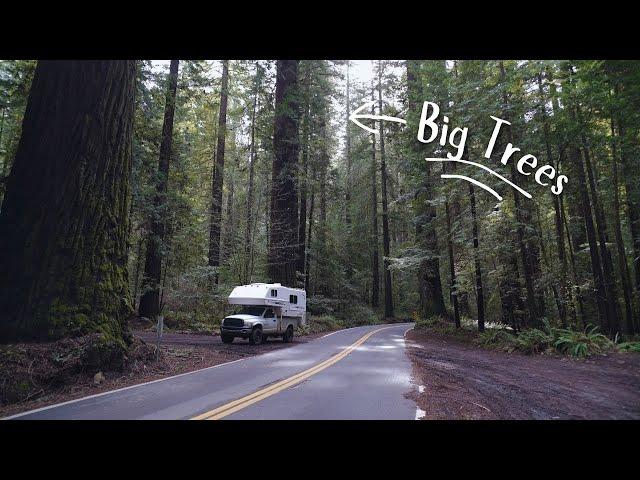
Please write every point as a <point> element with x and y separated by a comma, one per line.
<point>423,323</point>
<point>629,347</point>
<point>580,343</point>
<point>498,339</point>
<point>533,341</point>
<point>350,312</point>
<point>319,324</point>
<point>575,343</point>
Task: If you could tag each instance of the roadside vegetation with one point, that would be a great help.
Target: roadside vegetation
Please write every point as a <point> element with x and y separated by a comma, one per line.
<point>548,340</point>
<point>324,314</point>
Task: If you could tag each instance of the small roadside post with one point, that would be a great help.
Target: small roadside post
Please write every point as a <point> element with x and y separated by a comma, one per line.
<point>159,329</point>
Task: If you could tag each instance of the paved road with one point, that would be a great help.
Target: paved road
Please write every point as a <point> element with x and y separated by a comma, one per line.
<point>367,383</point>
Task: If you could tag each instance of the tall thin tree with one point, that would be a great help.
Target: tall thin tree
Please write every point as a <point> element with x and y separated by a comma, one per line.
<point>149,305</point>
<point>375,249</point>
<point>215,227</point>
<point>388,289</point>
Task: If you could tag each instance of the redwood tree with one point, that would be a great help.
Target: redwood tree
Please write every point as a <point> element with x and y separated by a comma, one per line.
<point>218,175</point>
<point>63,225</point>
<point>150,301</point>
<point>284,200</point>
<point>429,283</point>
<point>388,290</point>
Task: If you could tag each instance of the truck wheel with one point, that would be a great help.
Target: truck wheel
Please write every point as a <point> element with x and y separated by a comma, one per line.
<point>227,338</point>
<point>256,336</point>
<point>288,335</point>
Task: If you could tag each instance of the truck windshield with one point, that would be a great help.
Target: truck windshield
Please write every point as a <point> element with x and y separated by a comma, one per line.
<point>251,310</point>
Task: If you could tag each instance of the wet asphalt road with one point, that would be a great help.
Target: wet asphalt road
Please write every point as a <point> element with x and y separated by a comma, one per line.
<point>369,383</point>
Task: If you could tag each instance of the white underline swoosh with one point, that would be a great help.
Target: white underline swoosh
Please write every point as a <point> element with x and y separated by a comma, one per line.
<point>525,193</point>
<point>476,182</point>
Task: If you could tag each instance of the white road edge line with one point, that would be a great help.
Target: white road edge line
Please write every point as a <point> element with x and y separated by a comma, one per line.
<point>419,412</point>
<point>68,402</point>
<point>119,389</point>
<point>329,334</point>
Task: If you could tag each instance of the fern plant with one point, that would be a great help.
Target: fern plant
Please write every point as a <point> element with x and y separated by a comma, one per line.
<point>581,344</point>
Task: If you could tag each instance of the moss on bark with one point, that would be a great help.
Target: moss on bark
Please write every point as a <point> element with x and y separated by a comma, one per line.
<point>63,226</point>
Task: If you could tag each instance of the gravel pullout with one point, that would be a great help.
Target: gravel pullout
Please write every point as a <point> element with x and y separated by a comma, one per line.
<point>462,381</point>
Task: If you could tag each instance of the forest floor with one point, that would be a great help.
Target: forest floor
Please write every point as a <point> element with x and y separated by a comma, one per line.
<point>180,353</point>
<point>459,380</point>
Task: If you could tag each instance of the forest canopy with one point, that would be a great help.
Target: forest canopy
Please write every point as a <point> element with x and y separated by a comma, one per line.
<point>139,188</point>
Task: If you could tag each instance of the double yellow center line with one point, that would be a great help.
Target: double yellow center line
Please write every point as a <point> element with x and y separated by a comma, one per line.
<point>232,407</point>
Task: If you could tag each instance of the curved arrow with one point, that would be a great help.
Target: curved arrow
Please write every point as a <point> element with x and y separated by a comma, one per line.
<point>356,115</point>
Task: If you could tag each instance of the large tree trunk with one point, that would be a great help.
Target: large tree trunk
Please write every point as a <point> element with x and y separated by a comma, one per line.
<point>150,301</point>
<point>218,176</point>
<point>63,226</point>
<point>429,282</point>
<point>388,290</point>
<point>284,201</point>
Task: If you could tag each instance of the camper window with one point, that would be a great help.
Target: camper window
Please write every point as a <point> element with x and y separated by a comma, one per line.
<point>293,299</point>
<point>274,293</point>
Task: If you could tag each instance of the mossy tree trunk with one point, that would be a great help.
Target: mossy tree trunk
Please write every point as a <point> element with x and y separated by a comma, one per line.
<point>63,226</point>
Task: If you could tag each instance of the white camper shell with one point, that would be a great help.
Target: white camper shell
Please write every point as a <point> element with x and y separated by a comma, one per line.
<point>269,309</point>
<point>287,302</point>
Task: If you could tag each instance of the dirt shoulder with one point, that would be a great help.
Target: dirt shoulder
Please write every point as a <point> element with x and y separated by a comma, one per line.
<point>180,353</point>
<point>462,381</point>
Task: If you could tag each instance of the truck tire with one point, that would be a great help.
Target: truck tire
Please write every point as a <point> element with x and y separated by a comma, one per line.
<point>256,336</point>
<point>288,335</point>
<point>227,338</point>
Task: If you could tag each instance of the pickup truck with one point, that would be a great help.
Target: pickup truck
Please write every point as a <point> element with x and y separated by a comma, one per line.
<point>257,323</point>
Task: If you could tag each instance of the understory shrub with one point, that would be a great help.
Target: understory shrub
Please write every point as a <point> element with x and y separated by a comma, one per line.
<point>629,347</point>
<point>533,341</point>
<point>576,343</point>
<point>580,343</point>
<point>497,338</point>
<point>320,323</point>
<point>422,323</point>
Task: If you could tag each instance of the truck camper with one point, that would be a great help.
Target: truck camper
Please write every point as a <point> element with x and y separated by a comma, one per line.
<point>266,310</point>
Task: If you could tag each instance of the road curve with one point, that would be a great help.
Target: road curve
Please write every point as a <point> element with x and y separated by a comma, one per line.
<point>340,376</point>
